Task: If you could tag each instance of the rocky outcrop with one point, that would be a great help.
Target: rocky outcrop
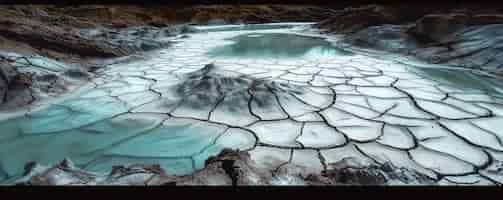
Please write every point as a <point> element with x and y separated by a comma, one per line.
<point>92,43</point>
<point>349,172</point>
<point>134,39</point>
<point>8,77</point>
<point>459,38</point>
<point>393,38</point>
<point>24,79</point>
<point>230,167</point>
<point>440,27</point>
<point>437,18</point>
<point>15,86</point>
<point>82,32</point>
<point>54,37</point>
<point>251,14</point>
<point>353,19</point>
<point>437,27</point>
<point>473,47</point>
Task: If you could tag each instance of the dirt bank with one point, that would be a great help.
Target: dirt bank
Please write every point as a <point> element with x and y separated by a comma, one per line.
<point>228,168</point>
<point>467,36</point>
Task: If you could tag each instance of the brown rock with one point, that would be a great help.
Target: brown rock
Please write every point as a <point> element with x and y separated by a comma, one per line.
<point>351,20</point>
<point>436,27</point>
<point>230,167</point>
<point>23,80</point>
<point>56,38</point>
<point>7,74</point>
<point>157,23</point>
<point>484,19</point>
<point>255,13</point>
<point>119,24</point>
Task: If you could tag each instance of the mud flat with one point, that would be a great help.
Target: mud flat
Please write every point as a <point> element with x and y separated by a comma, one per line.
<point>317,114</point>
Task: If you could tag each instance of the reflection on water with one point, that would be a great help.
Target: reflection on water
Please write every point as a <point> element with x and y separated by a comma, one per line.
<point>276,45</point>
<point>244,27</point>
<point>462,79</point>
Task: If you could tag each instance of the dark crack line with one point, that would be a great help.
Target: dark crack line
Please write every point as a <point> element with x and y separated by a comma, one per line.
<point>474,167</point>
<point>466,139</point>
<point>322,160</point>
<point>141,133</point>
<point>276,170</point>
<point>498,139</point>
<point>278,101</point>
<point>300,134</point>
<point>250,100</point>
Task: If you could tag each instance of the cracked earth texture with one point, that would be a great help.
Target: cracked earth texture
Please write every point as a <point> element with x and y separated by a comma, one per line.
<point>310,109</point>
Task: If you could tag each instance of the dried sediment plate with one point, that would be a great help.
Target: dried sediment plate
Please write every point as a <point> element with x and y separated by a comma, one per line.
<point>307,109</point>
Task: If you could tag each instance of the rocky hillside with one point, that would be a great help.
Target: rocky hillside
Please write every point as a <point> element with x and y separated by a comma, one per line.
<point>258,14</point>
<point>46,51</point>
<point>467,37</point>
<point>109,31</point>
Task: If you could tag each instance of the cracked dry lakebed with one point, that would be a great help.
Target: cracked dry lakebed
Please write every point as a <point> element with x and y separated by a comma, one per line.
<point>284,95</point>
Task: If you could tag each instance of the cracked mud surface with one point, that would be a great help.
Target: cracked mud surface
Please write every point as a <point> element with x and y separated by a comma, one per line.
<point>301,114</point>
<point>26,80</point>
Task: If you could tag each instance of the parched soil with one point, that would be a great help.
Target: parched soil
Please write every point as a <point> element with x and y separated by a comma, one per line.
<point>82,36</point>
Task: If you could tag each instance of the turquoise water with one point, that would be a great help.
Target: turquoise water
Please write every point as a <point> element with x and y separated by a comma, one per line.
<point>276,45</point>
<point>98,133</point>
<point>462,79</point>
